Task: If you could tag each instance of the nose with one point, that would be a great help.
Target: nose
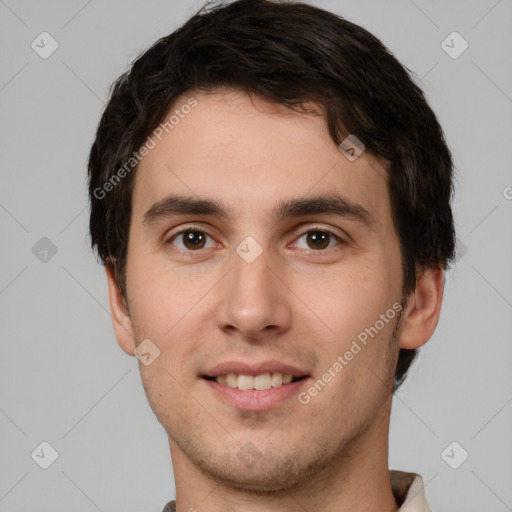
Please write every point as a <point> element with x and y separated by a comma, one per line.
<point>254,299</point>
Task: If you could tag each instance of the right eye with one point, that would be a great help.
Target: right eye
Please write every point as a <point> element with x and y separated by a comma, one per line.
<point>192,239</point>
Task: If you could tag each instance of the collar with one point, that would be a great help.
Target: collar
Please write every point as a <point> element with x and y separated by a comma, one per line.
<point>409,491</point>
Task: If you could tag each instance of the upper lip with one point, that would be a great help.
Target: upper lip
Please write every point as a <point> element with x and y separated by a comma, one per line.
<point>253,368</point>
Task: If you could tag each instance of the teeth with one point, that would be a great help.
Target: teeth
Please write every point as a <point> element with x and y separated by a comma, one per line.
<point>245,382</point>
<point>231,380</point>
<point>260,382</point>
<point>277,380</point>
<point>287,379</point>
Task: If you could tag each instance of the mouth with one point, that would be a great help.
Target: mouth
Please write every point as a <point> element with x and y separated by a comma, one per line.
<point>254,386</point>
<point>259,382</point>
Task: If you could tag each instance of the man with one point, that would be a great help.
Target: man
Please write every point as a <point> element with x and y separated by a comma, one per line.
<point>270,195</point>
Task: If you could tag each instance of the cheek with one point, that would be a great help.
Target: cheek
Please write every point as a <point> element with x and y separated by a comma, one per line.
<point>158,300</point>
<point>357,307</point>
<point>173,309</point>
<point>351,299</point>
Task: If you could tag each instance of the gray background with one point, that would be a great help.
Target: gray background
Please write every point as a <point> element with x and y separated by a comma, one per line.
<point>63,378</point>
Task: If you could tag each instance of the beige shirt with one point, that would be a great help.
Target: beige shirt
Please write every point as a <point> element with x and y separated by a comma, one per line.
<point>407,489</point>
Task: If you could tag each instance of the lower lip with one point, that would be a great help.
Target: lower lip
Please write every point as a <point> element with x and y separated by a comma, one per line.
<point>254,400</point>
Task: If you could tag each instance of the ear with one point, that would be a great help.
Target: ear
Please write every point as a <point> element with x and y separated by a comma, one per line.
<point>120,316</point>
<point>423,309</point>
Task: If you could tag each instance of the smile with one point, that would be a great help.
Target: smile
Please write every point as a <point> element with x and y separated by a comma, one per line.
<point>253,399</point>
<point>258,382</point>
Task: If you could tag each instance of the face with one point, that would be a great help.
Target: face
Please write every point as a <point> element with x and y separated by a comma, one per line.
<point>311,291</point>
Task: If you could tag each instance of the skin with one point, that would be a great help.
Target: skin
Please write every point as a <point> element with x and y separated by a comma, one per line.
<point>295,303</point>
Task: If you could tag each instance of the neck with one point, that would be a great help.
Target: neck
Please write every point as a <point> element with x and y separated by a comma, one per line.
<point>358,479</point>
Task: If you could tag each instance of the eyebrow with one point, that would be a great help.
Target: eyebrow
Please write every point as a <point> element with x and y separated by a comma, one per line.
<point>329,204</point>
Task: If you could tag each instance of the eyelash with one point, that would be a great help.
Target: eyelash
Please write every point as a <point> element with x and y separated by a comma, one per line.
<point>311,230</point>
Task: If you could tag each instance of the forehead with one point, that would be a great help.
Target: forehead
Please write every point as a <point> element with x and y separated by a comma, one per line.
<point>252,153</point>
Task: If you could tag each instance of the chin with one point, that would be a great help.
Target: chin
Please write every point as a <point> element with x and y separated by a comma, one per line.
<point>269,478</point>
<point>271,474</point>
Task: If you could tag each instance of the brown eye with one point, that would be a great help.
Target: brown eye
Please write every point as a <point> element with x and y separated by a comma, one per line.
<point>319,239</point>
<point>191,239</point>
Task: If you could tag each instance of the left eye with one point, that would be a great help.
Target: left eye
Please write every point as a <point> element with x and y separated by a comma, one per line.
<point>319,239</point>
